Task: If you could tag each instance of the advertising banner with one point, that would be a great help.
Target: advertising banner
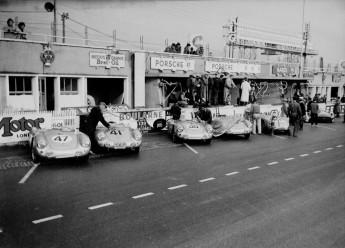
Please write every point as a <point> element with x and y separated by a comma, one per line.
<point>172,64</point>
<point>107,60</point>
<point>212,66</point>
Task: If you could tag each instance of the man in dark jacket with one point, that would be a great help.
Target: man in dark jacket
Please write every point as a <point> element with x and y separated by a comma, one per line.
<point>295,115</point>
<point>302,105</point>
<point>204,114</point>
<point>94,117</point>
<point>314,109</point>
<point>175,111</point>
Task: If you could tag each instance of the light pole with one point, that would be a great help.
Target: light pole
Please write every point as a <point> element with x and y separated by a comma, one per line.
<point>301,62</point>
<point>63,18</point>
<point>52,7</point>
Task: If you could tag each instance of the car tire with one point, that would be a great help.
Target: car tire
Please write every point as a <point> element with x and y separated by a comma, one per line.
<point>175,139</point>
<point>208,141</point>
<point>35,159</point>
<point>246,136</point>
<point>136,150</point>
<point>84,158</point>
<point>331,120</point>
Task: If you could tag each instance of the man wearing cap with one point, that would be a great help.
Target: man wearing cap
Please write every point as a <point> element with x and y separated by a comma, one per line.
<point>94,117</point>
<point>229,83</point>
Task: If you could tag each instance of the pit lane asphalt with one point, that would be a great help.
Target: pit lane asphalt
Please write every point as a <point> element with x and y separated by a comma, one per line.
<point>278,205</point>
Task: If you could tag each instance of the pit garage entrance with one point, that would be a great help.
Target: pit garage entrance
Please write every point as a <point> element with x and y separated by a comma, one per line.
<point>108,90</point>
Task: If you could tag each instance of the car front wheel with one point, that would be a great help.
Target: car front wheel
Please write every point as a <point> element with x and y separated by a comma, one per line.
<point>34,156</point>
<point>246,136</point>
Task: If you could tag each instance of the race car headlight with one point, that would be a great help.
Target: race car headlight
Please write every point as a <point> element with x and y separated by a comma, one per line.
<point>41,144</point>
<point>137,135</point>
<point>179,128</point>
<point>101,136</point>
<point>85,143</point>
<point>208,128</point>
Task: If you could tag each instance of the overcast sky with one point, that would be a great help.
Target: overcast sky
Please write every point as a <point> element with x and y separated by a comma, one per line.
<point>178,20</point>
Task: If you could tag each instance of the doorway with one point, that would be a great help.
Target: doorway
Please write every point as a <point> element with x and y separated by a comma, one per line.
<point>42,91</point>
<point>108,90</point>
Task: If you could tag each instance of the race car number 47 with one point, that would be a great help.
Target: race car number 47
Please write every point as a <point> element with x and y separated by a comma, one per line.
<point>61,138</point>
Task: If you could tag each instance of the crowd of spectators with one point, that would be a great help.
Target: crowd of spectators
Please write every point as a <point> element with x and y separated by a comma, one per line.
<point>188,49</point>
<point>209,90</point>
<point>18,32</point>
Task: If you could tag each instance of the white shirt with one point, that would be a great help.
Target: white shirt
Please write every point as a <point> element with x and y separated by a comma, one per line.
<point>245,86</point>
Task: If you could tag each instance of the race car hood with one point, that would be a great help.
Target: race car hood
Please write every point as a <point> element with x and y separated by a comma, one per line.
<point>61,140</point>
<point>192,127</point>
<point>221,125</point>
<point>118,134</point>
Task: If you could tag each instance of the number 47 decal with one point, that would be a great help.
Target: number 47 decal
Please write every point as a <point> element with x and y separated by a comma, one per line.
<point>61,138</point>
<point>116,132</point>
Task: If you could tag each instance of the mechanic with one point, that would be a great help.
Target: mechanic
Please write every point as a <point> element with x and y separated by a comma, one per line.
<point>204,114</point>
<point>175,111</point>
<point>94,117</point>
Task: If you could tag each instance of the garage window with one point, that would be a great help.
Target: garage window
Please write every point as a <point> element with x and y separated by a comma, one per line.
<point>20,86</point>
<point>69,86</point>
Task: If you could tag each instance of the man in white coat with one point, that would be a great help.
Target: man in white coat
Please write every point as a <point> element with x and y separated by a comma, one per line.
<point>245,87</point>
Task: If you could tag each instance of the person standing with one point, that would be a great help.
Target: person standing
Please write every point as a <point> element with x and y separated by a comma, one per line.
<point>284,108</point>
<point>221,89</point>
<point>336,108</point>
<point>245,87</point>
<point>314,111</point>
<point>210,89</point>
<point>295,114</point>
<point>256,117</point>
<point>229,83</point>
<point>215,89</point>
<point>302,105</point>
<point>94,117</point>
<point>175,111</point>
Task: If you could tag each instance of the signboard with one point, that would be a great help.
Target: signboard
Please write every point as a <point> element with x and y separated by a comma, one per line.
<point>212,66</point>
<point>172,64</point>
<point>16,128</point>
<point>108,60</point>
<point>336,78</point>
<point>284,68</point>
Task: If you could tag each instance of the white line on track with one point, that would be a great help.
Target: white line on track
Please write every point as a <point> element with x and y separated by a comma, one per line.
<point>326,127</point>
<point>275,162</point>
<point>190,148</point>
<point>206,179</point>
<point>143,195</point>
<point>232,173</point>
<point>254,168</point>
<point>330,148</point>
<point>317,152</point>
<point>47,219</point>
<point>177,187</point>
<point>101,206</point>
<point>288,159</point>
<point>28,174</point>
<point>339,145</point>
<point>279,137</point>
<point>304,155</point>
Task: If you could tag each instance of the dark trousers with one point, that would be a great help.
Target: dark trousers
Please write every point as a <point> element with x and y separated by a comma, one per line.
<point>313,118</point>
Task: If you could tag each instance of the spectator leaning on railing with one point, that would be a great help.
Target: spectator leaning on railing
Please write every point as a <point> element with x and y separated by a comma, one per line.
<point>10,26</point>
